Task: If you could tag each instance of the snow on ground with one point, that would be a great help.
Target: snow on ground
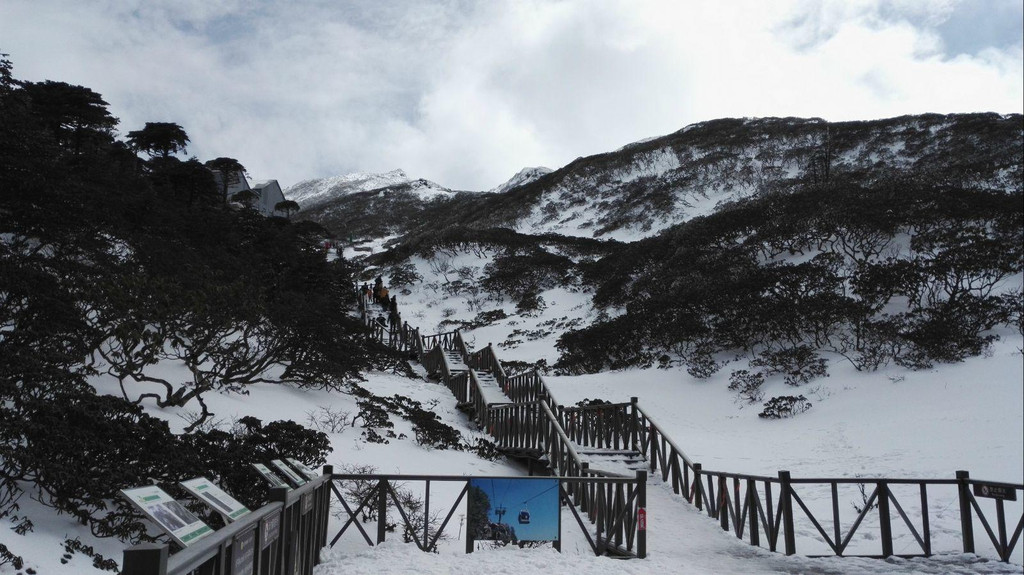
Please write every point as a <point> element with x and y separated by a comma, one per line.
<point>896,423</point>
<point>42,548</point>
<point>890,423</point>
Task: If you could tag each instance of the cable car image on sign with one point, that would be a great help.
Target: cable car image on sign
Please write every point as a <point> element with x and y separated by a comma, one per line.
<point>178,522</point>
<point>204,490</point>
<point>514,510</point>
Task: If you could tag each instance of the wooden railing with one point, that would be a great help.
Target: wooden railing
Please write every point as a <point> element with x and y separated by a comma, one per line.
<point>606,426</point>
<point>459,345</point>
<point>486,360</point>
<point>533,428</point>
<point>763,510</point>
<point>662,453</point>
<point>615,502</point>
<point>444,340</point>
<point>285,537</point>
<point>477,400</point>
<point>528,386</point>
<point>769,511</point>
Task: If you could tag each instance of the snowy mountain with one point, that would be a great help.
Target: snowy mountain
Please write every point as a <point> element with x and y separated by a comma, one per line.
<point>309,193</point>
<point>651,185</point>
<point>522,177</point>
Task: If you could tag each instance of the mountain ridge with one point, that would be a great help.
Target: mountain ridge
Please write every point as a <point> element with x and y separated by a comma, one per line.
<point>648,186</point>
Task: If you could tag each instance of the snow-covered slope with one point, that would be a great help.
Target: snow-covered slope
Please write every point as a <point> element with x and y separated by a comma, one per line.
<point>522,177</point>
<point>648,186</point>
<point>309,193</point>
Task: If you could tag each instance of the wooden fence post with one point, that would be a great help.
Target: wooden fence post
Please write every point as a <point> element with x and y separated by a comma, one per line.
<point>966,520</point>
<point>884,519</point>
<point>326,517</point>
<point>723,502</point>
<point>786,502</point>
<point>641,504</point>
<point>634,430</point>
<point>755,537</point>
<point>382,510</point>
<point>698,487</point>
<point>145,559</point>
<point>469,527</point>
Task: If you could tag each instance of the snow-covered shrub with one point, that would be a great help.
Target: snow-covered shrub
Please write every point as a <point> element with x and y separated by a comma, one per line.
<point>783,406</point>
<point>747,385</point>
<point>798,364</point>
<point>228,455</point>
<point>403,274</point>
<point>328,420</point>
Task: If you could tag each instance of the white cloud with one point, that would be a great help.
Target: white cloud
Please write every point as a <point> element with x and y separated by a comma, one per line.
<point>466,93</point>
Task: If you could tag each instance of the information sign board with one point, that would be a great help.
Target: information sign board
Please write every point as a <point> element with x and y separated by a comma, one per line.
<point>295,479</point>
<point>178,522</point>
<point>204,490</point>
<point>995,491</point>
<point>243,553</point>
<point>302,468</point>
<point>272,478</point>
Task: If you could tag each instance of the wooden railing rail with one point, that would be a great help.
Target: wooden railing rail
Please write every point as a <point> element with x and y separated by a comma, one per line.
<point>605,426</point>
<point>486,360</point>
<point>528,386</point>
<point>444,340</point>
<point>476,398</point>
<point>459,345</point>
<point>616,504</point>
<point>763,510</point>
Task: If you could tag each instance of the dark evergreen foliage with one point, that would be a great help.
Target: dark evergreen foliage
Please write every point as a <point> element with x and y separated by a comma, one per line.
<point>904,271</point>
<point>159,138</point>
<point>109,264</point>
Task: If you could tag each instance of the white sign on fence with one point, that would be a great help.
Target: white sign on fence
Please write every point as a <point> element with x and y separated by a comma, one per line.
<point>170,515</point>
<point>204,490</point>
<point>296,479</point>
<point>271,477</point>
<point>302,467</point>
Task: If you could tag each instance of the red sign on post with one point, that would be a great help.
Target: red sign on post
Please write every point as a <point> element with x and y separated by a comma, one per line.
<point>641,519</point>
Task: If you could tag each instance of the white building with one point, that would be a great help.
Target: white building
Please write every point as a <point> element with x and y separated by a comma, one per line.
<point>268,194</point>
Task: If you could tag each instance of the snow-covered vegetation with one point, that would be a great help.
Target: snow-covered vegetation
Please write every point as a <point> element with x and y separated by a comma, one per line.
<point>150,332</point>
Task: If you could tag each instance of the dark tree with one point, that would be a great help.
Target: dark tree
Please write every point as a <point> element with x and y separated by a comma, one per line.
<point>75,115</point>
<point>159,138</point>
<point>479,506</point>
<point>289,207</point>
<point>231,172</point>
<point>246,197</point>
<point>190,180</point>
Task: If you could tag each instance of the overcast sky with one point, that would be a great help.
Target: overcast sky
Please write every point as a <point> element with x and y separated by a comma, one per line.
<point>465,93</point>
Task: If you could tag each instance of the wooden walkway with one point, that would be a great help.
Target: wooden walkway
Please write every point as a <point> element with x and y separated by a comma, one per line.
<point>620,440</point>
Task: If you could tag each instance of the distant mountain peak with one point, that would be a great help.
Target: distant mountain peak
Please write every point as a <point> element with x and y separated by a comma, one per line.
<point>522,177</point>
<point>309,193</point>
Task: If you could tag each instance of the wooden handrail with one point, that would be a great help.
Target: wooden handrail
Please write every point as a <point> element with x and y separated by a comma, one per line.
<point>750,505</point>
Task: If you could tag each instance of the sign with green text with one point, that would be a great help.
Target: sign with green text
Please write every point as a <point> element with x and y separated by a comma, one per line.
<point>204,490</point>
<point>178,522</point>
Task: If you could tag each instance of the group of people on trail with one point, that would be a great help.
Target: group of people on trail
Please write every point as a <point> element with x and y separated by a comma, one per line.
<point>379,293</point>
